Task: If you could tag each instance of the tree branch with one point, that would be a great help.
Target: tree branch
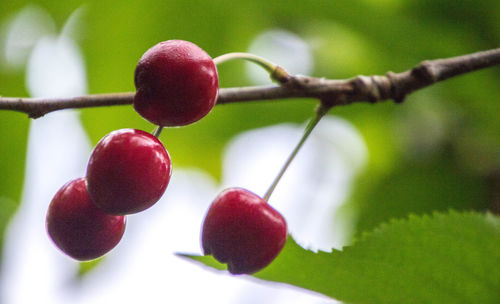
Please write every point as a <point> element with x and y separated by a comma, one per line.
<point>332,92</point>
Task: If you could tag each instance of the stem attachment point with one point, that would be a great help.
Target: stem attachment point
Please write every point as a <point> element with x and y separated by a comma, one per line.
<point>157,131</point>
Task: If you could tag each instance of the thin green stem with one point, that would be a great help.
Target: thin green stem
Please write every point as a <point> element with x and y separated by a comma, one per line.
<point>266,64</point>
<point>275,71</point>
<point>310,126</point>
<point>157,131</point>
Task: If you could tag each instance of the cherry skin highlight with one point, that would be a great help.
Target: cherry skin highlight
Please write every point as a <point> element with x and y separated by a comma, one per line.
<point>128,172</point>
<point>79,228</point>
<point>243,230</point>
<point>177,83</point>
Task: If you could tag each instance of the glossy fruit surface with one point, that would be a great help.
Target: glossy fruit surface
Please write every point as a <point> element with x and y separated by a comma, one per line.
<point>177,83</point>
<point>128,171</point>
<point>243,230</point>
<point>79,228</point>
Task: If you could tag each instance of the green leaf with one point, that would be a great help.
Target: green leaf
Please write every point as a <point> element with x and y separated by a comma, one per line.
<point>444,258</point>
<point>208,260</point>
<point>84,268</point>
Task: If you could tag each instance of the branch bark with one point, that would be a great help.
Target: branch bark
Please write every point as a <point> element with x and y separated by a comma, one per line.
<point>376,88</point>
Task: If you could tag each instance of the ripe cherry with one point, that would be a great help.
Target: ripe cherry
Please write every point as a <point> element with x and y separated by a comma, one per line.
<point>243,230</point>
<point>128,171</point>
<point>79,228</point>
<point>177,83</point>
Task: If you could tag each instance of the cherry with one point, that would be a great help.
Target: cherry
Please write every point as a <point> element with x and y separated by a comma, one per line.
<point>243,230</point>
<point>79,228</point>
<point>177,83</point>
<point>128,171</point>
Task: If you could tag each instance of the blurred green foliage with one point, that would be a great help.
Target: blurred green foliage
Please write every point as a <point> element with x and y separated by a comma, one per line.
<point>13,132</point>
<point>436,151</point>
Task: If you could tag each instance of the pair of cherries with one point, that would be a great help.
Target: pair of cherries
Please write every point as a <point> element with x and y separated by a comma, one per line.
<point>129,170</point>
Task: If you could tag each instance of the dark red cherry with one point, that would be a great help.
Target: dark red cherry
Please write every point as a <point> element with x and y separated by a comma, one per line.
<point>243,230</point>
<point>176,82</point>
<point>128,171</point>
<point>78,227</point>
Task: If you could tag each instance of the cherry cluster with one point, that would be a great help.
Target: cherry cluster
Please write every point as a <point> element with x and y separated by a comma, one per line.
<point>129,170</point>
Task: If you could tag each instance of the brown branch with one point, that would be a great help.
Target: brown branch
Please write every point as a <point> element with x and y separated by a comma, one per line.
<point>333,92</point>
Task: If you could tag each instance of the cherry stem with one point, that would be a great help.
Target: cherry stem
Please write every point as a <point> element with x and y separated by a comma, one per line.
<point>157,131</point>
<point>275,71</point>
<point>320,112</point>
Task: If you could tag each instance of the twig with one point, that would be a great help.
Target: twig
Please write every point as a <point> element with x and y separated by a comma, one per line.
<point>37,107</point>
<point>334,92</point>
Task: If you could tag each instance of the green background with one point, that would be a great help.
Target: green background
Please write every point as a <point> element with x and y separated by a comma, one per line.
<point>411,170</point>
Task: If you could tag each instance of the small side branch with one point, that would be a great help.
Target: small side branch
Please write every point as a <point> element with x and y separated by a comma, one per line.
<point>395,86</point>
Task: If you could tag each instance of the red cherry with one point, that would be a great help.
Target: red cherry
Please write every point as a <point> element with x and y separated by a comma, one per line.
<point>177,83</point>
<point>243,230</point>
<point>128,171</point>
<point>79,228</point>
